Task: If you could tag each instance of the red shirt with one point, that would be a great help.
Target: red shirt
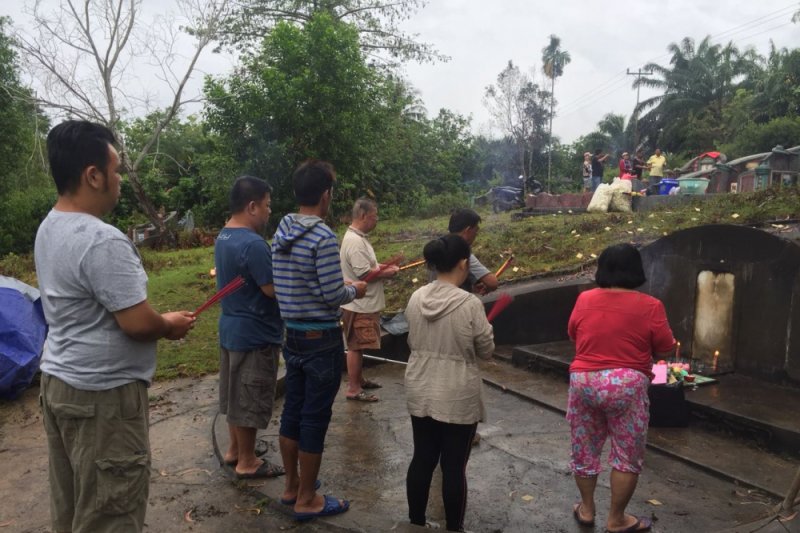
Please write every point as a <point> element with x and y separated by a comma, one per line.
<point>618,329</point>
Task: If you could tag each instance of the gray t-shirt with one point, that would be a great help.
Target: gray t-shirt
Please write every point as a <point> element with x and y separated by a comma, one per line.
<point>476,272</point>
<point>88,270</point>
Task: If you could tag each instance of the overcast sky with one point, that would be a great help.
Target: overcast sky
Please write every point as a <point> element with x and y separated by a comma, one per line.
<point>604,39</point>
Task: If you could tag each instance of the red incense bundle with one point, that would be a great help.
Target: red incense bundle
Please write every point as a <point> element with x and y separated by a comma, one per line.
<point>381,267</point>
<point>503,301</point>
<point>235,284</point>
<point>504,266</point>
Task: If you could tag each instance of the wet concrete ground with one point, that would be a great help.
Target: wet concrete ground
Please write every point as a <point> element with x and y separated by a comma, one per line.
<point>518,475</point>
<point>188,491</point>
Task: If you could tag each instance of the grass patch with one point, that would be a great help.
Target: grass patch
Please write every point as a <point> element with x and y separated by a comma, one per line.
<point>180,280</point>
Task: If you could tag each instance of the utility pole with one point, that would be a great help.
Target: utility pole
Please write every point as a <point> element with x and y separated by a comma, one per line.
<point>638,75</point>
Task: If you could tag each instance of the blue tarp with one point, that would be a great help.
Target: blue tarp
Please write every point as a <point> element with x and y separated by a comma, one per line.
<point>22,334</point>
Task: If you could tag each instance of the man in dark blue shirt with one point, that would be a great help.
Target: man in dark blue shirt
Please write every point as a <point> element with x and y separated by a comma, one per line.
<point>250,327</point>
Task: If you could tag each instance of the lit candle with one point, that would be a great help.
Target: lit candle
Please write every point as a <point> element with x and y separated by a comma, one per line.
<point>677,350</point>
<point>716,356</point>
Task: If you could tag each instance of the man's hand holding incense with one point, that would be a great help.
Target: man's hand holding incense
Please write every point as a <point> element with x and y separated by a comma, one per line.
<point>388,271</point>
<point>178,323</point>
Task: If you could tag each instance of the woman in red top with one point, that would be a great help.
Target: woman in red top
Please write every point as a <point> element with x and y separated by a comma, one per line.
<point>617,331</point>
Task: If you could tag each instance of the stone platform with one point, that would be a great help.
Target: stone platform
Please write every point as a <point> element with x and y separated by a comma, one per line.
<point>765,412</point>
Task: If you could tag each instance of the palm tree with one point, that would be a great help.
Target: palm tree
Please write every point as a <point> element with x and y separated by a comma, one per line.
<point>697,83</point>
<point>554,59</point>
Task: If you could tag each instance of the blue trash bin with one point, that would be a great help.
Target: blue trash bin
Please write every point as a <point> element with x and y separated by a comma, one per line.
<point>666,185</point>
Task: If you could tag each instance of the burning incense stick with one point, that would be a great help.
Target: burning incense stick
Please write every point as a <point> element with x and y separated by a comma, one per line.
<point>504,266</point>
<point>503,301</point>
<point>413,264</point>
<point>235,284</point>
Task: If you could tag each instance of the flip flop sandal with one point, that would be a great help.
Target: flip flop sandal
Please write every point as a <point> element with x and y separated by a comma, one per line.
<point>363,396</point>
<point>286,501</point>
<point>576,512</point>
<point>331,507</point>
<point>642,524</point>
<point>266,469</point>
<point>261,448</point>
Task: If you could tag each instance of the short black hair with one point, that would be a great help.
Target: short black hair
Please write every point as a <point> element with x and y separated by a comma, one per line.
<point>462,219</point>
<point>598,151</point>
<point>444,253</point>
<point>74,145</point>
<point>311,179</point>
<point>620,266</point>
<point>247,189</point>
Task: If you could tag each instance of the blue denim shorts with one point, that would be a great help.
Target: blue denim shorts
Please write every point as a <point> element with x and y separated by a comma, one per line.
<point>314,362</point>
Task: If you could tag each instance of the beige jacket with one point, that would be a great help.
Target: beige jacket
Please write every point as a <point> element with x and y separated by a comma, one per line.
<point>448,331</point>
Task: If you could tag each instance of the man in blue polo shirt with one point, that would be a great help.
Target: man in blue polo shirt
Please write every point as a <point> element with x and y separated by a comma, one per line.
<point>250,327</point>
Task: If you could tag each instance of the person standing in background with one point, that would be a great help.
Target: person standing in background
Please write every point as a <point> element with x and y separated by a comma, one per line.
<point>656,165</point>
<point>597,168</point>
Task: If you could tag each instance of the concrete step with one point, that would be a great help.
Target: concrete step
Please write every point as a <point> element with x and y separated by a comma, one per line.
<point>723,454</point>
<point>764,412</point>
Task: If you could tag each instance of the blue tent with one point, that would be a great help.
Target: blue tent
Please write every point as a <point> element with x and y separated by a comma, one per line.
<point>22,334</point>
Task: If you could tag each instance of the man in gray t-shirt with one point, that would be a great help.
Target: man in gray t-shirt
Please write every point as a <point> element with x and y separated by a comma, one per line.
<point>99,356</point>
<point>466,223</point>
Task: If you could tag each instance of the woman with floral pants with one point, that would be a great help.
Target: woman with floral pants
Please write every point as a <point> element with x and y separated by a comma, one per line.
<point>617,331</point>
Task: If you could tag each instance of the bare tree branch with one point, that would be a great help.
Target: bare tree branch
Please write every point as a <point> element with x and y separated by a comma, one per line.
<point>83,57</point>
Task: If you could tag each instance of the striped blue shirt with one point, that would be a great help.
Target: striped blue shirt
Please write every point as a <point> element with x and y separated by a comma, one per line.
<point>306,271</point>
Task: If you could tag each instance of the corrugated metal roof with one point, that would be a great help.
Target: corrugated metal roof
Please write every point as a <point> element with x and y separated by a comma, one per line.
<point>699,174</point>
<point>747,158</point>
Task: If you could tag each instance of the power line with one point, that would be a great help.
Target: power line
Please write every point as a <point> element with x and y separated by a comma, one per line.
<point>598,92</point>
<point>593,94</point>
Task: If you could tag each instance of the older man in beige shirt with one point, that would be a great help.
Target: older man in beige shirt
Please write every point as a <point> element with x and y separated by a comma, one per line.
<point>361,318</point>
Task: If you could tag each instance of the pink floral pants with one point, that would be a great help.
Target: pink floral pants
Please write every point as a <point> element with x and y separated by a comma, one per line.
<point>608,403</point>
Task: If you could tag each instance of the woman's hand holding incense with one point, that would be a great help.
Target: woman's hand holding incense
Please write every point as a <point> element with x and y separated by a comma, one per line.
<point>178,323</point>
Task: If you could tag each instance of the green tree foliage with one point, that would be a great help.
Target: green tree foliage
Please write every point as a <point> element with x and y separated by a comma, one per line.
<point>22,126</point>
<point>186,169</point>
<point>26,192</point>
<point>697,85</point>
<point>613,135</point>
<point>377,21</point>
<point>308,92</point>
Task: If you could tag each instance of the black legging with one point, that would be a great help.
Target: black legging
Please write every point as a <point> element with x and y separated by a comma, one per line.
<point>446,444</point>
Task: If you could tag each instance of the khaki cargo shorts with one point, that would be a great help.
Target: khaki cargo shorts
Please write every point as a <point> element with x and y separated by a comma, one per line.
<point>362,331</point>
<point>99,456</point>
<point>247,385</point>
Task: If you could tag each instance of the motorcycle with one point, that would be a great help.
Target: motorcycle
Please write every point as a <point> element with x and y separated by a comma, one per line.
<point>505,198</point>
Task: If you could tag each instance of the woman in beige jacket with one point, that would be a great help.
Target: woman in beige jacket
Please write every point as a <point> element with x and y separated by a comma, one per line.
<point>448,331</point>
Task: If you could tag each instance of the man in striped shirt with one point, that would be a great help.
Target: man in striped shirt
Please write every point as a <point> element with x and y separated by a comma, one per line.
<point>310,289</point>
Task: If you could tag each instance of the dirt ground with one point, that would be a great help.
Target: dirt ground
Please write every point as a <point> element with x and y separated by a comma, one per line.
<point>188,490</point>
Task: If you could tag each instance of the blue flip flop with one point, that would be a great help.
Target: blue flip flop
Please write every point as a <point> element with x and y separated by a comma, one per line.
<point>317,485</point>
<point>331,507</point>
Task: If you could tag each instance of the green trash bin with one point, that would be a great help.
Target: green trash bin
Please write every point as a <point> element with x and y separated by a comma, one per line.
<point>693,185</point>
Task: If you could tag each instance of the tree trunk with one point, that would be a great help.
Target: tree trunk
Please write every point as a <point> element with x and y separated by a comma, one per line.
<point>144,201</point>
<point>550,150</point>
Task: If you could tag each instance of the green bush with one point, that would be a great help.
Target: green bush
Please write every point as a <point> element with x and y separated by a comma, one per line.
<point>21,212</point>
<point>421,204</point>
